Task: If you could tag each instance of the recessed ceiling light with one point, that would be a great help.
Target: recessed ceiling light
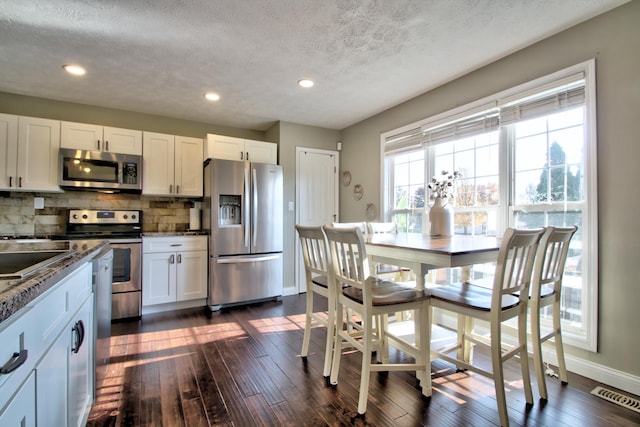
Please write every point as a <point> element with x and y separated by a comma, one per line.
<point>305,82</point>
<point>76,70</point>
<point>212,96</point>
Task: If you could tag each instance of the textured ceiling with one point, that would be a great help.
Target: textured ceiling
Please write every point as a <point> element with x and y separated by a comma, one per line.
<point>161,56</point>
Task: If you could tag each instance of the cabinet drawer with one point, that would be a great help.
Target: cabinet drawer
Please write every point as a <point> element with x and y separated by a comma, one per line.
<point>17,336</point>
<point>174,244</point>
<point>56,308</point>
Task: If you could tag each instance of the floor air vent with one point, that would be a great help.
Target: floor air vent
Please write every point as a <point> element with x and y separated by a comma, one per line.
<point>617,398</point>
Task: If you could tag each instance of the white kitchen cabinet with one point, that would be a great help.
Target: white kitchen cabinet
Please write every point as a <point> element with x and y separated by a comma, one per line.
<point>21,410</point>
<point>172,165</point>
<point>84,136</point>
<point>174,269</point>
<point>230,148</point>
<point>29,148</point>
<point>52,385</point>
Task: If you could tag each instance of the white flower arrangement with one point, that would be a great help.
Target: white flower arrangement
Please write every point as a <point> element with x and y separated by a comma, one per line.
<point>443,189</point>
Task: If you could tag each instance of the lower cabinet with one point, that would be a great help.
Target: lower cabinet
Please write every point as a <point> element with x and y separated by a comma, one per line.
<point>54,384</point>
<point>174,269</point>
<point>21,410</point>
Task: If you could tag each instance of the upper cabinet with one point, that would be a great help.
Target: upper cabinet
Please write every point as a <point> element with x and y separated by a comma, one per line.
<point>83,136</point>
<point>230,148</point>
<point>172,165</point>
<point>29,148</point>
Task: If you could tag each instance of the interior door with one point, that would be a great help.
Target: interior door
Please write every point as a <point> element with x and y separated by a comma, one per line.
<point>316,195</point>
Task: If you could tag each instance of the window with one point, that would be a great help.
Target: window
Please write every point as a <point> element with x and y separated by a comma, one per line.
<point>527,156</point>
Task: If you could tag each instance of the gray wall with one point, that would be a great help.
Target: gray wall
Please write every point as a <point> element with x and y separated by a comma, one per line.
<point>614,40</point>
<point>290,136</point>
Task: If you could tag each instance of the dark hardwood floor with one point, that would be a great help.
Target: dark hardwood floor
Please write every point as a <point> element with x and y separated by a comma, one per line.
<point>241,367</point>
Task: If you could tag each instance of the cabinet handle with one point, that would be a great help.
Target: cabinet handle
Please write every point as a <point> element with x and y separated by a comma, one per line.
<point>179,258</point>
<point>20,182</point>
<point>78,332</point>
<point>247,156</point>
<point>17,360</point>
<point>170,188</point>
<point>106,146</point>
<point>172,259</point>
<point>177,189</point>
<point>242,155</point>
<point>10,181</point>
<point>173,245</point>
<point>98,145</point>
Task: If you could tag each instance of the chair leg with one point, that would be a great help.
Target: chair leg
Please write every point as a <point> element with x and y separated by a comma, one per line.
<point>382,327</point>
<point>366,364</point>
<point>337,344</point>
<point>422,327</point>
<point>331,332</point>
<point>524,356</point>
<point>537,352</point>
<point>562,367</point>
<point>307,325</point>
<point>498,374</point>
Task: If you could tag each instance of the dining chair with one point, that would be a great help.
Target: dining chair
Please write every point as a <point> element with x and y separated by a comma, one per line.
<point>373,298</point>
<point>513,270</point>
<point>316,267</point>
<point>546,289</point>
<point>392,271</point>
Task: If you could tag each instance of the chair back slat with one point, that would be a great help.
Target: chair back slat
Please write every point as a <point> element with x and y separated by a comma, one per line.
<point>314,249</point>
<point>515,263</point>
<point>348,255</point>
<point>551,258</point>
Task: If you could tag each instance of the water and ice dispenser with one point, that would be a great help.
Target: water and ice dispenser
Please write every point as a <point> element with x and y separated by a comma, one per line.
<point>230,210</point>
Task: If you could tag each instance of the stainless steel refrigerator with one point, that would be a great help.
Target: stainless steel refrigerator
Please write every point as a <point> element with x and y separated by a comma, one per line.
<point>243,211</point>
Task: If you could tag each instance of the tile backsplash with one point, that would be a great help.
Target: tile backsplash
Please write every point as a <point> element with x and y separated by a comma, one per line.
<point>19,217</point>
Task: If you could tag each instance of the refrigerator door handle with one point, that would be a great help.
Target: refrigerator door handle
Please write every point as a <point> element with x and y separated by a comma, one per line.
<point>254,207</point>
<point>247,214</point>
<point>236,260</point>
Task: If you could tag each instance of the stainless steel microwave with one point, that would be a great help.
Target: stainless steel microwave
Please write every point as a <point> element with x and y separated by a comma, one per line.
<point>82,169</point>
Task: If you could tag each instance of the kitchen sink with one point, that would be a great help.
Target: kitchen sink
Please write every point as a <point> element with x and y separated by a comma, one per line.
<point>18,265</point>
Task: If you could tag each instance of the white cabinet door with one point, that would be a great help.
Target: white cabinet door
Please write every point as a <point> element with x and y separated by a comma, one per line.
<point>81,136</point>
<point>158,278</point>
<point>188,166</point>
<point>192,275</point>
<point>84,136</point>
<point>52,382</point>
<point>21,410</point>
<point>230,148</point>
<point>261,152</point>
<point>38,146</point>
<point>8,151</point>
<point>81,367</point>
<point>224,147</point>
<point>158,161</point>
<point>123,141</point>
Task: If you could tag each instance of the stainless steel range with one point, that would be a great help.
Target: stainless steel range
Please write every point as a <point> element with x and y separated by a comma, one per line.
<point>123,230</point>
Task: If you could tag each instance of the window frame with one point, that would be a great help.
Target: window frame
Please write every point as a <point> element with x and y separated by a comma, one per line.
<point>587,340</point>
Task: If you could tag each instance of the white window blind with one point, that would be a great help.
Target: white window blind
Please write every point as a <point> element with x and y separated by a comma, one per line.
<point>554,97</point>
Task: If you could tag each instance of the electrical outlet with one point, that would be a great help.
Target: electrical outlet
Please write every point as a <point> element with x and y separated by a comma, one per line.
<point>291,207</point>
<point>38,202</point>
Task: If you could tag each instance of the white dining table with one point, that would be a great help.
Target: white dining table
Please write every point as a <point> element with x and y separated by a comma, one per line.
<point>421,253</point>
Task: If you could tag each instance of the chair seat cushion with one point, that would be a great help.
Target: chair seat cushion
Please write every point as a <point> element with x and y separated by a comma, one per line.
<point>385,292</point>
<point>321,281</point>
<point>468,295</point>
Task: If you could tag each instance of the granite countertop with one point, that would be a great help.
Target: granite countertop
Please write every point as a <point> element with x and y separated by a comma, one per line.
<point>16,294</point>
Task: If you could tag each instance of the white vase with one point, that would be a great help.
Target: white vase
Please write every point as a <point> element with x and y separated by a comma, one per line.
<point>441,218</point>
